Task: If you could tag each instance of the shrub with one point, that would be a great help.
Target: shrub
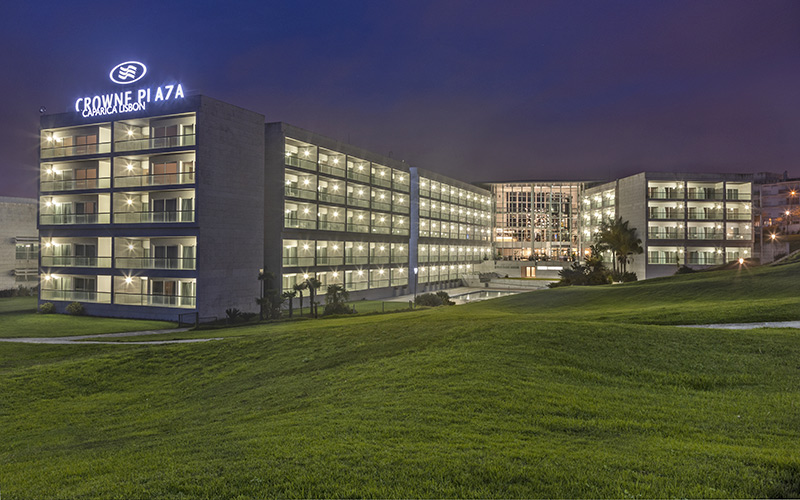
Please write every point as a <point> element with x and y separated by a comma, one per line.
<point>620,277</point>
<point>47,308</point>
<point>233,314</point>
<point>337,308</point>
<point>445,298</point>
<point>685,270</point>
<point>76,309</point>
<point>439,298</point>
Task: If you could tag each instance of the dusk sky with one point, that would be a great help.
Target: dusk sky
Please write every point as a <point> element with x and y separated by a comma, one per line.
<point>488,90</point>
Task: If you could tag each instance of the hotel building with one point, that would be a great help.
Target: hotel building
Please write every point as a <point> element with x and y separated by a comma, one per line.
<point>175,210</point>
<point>696,220</point>
<point>375,225</point>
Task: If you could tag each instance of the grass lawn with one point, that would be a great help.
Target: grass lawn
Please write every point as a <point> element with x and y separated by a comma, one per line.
<point>17,304</point>
<point>19,319</point>
<point>565,393</point>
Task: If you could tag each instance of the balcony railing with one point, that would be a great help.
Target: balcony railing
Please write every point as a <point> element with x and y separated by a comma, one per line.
<point>294,161</point>
<point>706,261</point>
<point>290,222</point>
<point>676,194</point>
<point>76,295</point>
<point>153,216</point>
<point>330,261</point>
<point>356,259</point>
<point>739,216</point>
<point>295,192</point>
<point>175,141</point>
<point>153,179</point>
<point>381,229</point>
<point>358,228</point>
<point>739,236</point>
<point>75,184</point>
<point>739,195</point>
<point>86,149</point>
<point>702,194</point>
<point>142,299</point>
<point>74,261</point>
<point>358,202</point>
<point>331,198</point>
<point>57,219</point>
<point>335,170</point>
<point>384,181</point>
<point>381,205</point>
<point>298,261</point>
<point>705,215</point>
<point>154,263</point>
<point>666,214</point>
<point>662,259</point>
<point>706,235</point>
<point>331,226</point>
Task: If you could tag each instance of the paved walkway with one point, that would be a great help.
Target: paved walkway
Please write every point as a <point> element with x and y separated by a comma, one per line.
<point>85,339</point>
<point>749,326</point>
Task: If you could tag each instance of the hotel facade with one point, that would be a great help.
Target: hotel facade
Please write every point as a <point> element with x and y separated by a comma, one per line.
<point>154,204</point>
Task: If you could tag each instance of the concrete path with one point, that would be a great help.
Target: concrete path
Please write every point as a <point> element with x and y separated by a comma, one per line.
<point>84,339</point>
<point>749,326</point>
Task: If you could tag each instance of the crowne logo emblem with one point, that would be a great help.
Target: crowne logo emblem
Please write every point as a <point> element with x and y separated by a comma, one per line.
<point>128,72</point>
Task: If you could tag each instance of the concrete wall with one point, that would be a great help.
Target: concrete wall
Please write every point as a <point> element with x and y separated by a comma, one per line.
<point>230,207</point>
<point>17,219</point>
<point>632,207</point>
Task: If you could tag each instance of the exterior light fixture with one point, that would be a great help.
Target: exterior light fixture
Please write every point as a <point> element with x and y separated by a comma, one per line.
<point>128,280</point>
<point>49,170</point>
<point>305,276</point>
<point>336,214</point>
<point>306,153</point>
<point>130,132</point>
<point>130,246</point>
<point>305,246</point>
<point>335,274</point>
<point>129,202</point>
<point>336,161</point>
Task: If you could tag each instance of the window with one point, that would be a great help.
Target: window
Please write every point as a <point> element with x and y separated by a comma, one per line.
<point>165,173</point>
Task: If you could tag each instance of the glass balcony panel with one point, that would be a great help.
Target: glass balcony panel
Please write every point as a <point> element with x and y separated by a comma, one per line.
<point>59,219</point>
<point>152,216</point>
<point>76,296</point>
<point>75,261</point>
<point>177,263</point>
<point>142,299</point>
<point>58,151</point>
<point>75,184</point>
<point>154,179</point>
<point>175,141</point>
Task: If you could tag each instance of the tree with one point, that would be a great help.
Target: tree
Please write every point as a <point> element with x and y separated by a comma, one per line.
<point>336,300</point>
<point>621,240</point>
<point>299,287</point>
<point>313,285</point>
<point>289,296</point>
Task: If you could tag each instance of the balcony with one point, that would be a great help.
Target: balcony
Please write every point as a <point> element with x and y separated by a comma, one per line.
<point>69,219</point>
<point>75,184</point>
<point>76,296</point>
<point>142,299</point>
<point>292,222</point>
<point>735,215</point>
<point>174,141</point>
<point>706,235</point>
<point>149,216</point>
<point>357,227</point>
<point>176,263</point>
<point>331,226</point>
<point>154,179</point>
<point>739,236</point>
<point>60,150</point>
<point>705,215</point>
<point>704,194</point>
<point>706,260</point>
<point>294,161</point>
<point>665,194</point>
<point>292,191</point>
<point>74,261</point>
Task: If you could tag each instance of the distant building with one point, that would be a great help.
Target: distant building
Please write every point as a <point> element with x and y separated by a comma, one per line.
<point>19,243</point>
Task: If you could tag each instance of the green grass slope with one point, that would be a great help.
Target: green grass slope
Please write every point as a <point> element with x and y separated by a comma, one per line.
<point>536,397</point>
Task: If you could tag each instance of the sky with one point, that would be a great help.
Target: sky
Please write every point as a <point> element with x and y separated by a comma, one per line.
<point>478,90</point>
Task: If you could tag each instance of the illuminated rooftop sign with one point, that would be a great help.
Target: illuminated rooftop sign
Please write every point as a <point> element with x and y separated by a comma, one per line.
<point>127,101</point>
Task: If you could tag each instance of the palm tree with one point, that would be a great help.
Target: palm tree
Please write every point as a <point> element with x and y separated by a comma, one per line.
<point>289,296</point>
<point>313,285</point>
<point>336,299</point>
<point>621,240</point>
<point>299,287</point>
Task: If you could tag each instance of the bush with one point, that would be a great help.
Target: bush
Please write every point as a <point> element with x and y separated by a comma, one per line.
<point>439,298</point>
<point>76,309</point>
<point>620,277</point>
<point>445,298</point>
<point>337,308</point>
<point>685,270</point>
<point>47,308</point>
<point>20,291</point>
<point>233,314</point>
